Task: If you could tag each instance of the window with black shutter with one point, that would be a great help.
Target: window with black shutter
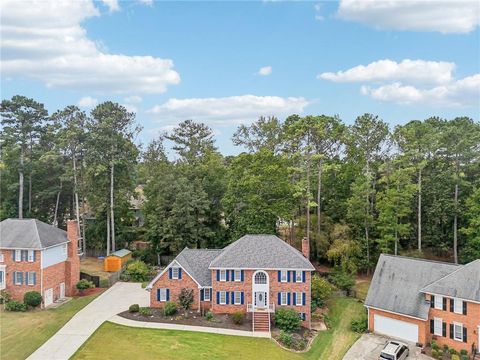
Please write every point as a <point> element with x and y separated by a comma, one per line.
<point>451,331</point>
<point>444,329</point>
<point>432,326</point>
<point>464,334</point>
<point>452,305</point>
<point>444,304</point>
<point>432,301</point>
<point>464,308</point>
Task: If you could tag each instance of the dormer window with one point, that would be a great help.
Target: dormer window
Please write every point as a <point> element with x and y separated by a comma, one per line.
<point>175,272</point>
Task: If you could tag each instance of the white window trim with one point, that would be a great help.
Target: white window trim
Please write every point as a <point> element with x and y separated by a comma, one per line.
<point>175,269</point>
<point>205,292</point>
<point>3,282</point>
<point>297,274</point>
<point>282,294</point>
<point>299,299</point>
<point>16,278</point>
<point>224,273</point>
<point>282,278</point>
<point>18,255</point>
<point>438,300</point>
<point>455,324</point>
<point>163,294</point>
<point>457,306</point>
<point>235,293</point>
<point>235,273</point>
<point>438,322</point>
<point>30,255</point>
<point>30,274</point>
<point>224,302</point>
<point>2,257</point>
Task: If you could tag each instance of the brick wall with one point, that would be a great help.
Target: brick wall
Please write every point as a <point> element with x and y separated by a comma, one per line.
<point>52,277</point>
<point>471,321</point>
<point>72,265</point>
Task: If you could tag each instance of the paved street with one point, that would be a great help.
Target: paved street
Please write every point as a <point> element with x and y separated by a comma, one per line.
<point>69,338</point>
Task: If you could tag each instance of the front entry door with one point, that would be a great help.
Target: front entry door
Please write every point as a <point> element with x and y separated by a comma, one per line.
<point>261,299</point>
<point>62,290</point>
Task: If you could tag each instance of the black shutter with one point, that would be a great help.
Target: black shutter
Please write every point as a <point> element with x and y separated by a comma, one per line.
<point>444,304</point>
<point>432,326</point>
<point>464,308</point>
<point>464,334</point>
<point>451,331</point>
<point>432,301</point>
<point>444,329</point>
<point>451,305</point>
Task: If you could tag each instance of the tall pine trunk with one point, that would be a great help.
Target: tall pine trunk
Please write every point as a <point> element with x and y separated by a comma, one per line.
<point>75,189</point>
<point>419,210</point>
<point>55,217</point>
<point>455,216</point>
<point>319,200</point>
<point>108,232</point>
<point>308,202</point>
<point>112,215</point>
<point>20,184</point>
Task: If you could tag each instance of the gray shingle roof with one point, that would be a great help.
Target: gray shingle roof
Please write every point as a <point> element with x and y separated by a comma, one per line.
<point>261,252</point>
<point>30,234</point>
<point>463,283</point>
<point>196,261</point>
<point>397,282</point>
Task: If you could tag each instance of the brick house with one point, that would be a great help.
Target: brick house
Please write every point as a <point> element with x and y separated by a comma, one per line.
<point>255,274</point>
<point>35,256</point>
<point>420,300</point>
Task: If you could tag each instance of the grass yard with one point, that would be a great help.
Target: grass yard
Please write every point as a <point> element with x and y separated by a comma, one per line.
<point>94,267</point>
<point>140,343</point>
<point>361,289</point>
<point>22,333</point>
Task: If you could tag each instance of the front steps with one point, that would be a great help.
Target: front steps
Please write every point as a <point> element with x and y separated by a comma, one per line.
<point>261,321</point>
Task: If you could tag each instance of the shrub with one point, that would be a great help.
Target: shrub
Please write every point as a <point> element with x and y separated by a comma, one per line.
<point>287,319</point>
<point>136,270</point>
<point>32,298</point>
<point>455,357</point>
<point>453,351</point>
<point>186,298</point>
<point>464,352</point>
<point>134,308</point>
<point>465,357</point>
<point>321,291</point>
<point>285,338</point>
<point>145,311</point>
<point>445,348</point>
<point>440,353</point>
<point>327,321</point>
<point>84,284</point>
<point>238,317</point>
<point>359,325</point>
<point>14,305</point>
<point>435,353</point>
<point>170,308</point>
<point>435,345</point>
<point>104,283</point>
<point>342,280</point>
<point>4,297</point>
<point>209,316</point>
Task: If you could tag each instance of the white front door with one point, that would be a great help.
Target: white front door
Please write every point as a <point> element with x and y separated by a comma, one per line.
<point>395,328</point>
<point>62,290</point>
<point>260,289</point>
<point>260,299</point>
<point>48,297</point>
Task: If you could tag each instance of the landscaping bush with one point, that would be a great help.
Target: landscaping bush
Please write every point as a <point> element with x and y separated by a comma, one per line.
<point>435,345</point>
<point>465,357</point>
<point>238,317</point>
<point>186,299</point>
<point>104,283</point>
<point>286,339</point>
<point>445,348</point>
<point>464,352</point>
<point>32,298</point>
<point>435,353</point>
<point>342,280</point>
<point>440,353</point>
<point>4,297</point>
<point>134,308</point>
<point>453,351</point>
<point>209,316</point>
<point>455,357</point>
<point>84,284</point>
<point>321,291</point>
<point>359,325</point>
<point>14,305</point>
<point>136,270</point>
<point>170,308</point>
<point>145,311</point>
<point>287,319</point>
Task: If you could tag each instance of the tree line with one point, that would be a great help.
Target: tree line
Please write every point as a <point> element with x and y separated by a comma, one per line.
<point>354,190</point>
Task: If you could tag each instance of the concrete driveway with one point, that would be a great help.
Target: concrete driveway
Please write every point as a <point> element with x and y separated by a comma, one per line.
<point>369,346</point>
<point>73,334</point>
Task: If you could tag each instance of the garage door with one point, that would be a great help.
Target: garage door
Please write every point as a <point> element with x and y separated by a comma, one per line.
<point>396,328</point>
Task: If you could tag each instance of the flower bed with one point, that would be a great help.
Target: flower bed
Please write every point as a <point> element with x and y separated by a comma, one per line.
<point>298,341</point>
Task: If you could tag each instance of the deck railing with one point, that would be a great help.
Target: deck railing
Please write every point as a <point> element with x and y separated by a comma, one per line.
<point>252,308</point>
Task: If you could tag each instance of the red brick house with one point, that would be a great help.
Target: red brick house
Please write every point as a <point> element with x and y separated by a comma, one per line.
<point>420,300</point>
<point>255,274</point>
<point>35,256</point>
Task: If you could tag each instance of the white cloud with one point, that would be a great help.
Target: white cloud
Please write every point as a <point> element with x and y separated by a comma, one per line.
<point>416,71</point>
<point>146,2</point>
<point>231,110</point>
<point>112,5</point>
<point>130,108</point>
<point>264,71</point>
<point>45,41</point>
<point>458,16</point>
<point>87,102</point>
<point>134,99</point>
<point>463,92</point>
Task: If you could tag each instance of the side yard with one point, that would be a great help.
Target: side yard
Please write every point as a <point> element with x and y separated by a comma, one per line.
<point>23,332</point>
<point>165,344</point>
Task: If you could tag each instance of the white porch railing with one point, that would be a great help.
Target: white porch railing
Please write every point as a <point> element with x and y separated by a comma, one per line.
<point>252,308</point>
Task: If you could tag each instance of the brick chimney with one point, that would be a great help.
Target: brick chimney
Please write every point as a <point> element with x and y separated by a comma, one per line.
<point>72,265</point>
<point>306,247</point>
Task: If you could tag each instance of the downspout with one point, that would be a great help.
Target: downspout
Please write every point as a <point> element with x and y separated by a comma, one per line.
<point>199,300</point>
<point>41,277</point>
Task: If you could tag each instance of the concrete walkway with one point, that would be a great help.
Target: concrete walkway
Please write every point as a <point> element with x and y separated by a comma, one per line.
<point>74,333</point>
<point>165,326</point>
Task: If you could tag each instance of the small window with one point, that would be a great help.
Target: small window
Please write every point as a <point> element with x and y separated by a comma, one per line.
<point>18,255</point>
<point>299,299</point>
<point>458,331</point>
<point>31,255</point>
<point>31,278</point>
<point>298,276</point>
<point>163,294</point>
<point>2,258</point>
<point>24,255</point>
<point>18,278</point>
<point>206,294</point>
<point>439,302</point>
<point>223,297</point>
<point>283,298</point>
<point>458,306</point>
<point>174,272</point>
<point>237,298</point>
<point>283,276</point>
<point>237,275</point>
<point>223,275</point>
<point>437,326</point>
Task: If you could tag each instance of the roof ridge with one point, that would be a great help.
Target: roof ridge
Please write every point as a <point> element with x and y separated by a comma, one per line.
<point>461,267</point>
<point>421,259</point>
<point>231,245</point>
<point>38,234</point>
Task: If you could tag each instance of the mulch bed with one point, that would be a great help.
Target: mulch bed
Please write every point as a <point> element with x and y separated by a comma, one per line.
<point>301,334</point>
<point>194,318</point>
<point>91,291</point>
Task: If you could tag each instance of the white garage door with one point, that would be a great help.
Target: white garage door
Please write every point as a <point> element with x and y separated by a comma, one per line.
<point>48,298</point>
<point>396,328</point>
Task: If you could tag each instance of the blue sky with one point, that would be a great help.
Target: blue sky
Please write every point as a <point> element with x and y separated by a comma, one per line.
<point>170,61</point>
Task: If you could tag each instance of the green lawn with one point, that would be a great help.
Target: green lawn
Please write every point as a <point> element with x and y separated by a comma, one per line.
<point>361,289</point>
<point>137,343</point>
<point>22,333</point>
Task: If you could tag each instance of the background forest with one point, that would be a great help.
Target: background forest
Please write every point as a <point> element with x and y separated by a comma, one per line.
<point>354,190</point>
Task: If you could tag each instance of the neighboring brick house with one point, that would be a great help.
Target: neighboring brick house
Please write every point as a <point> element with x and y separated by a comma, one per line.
<point>420,300</point>
<point>255,274</point>
<point>35,256</point>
